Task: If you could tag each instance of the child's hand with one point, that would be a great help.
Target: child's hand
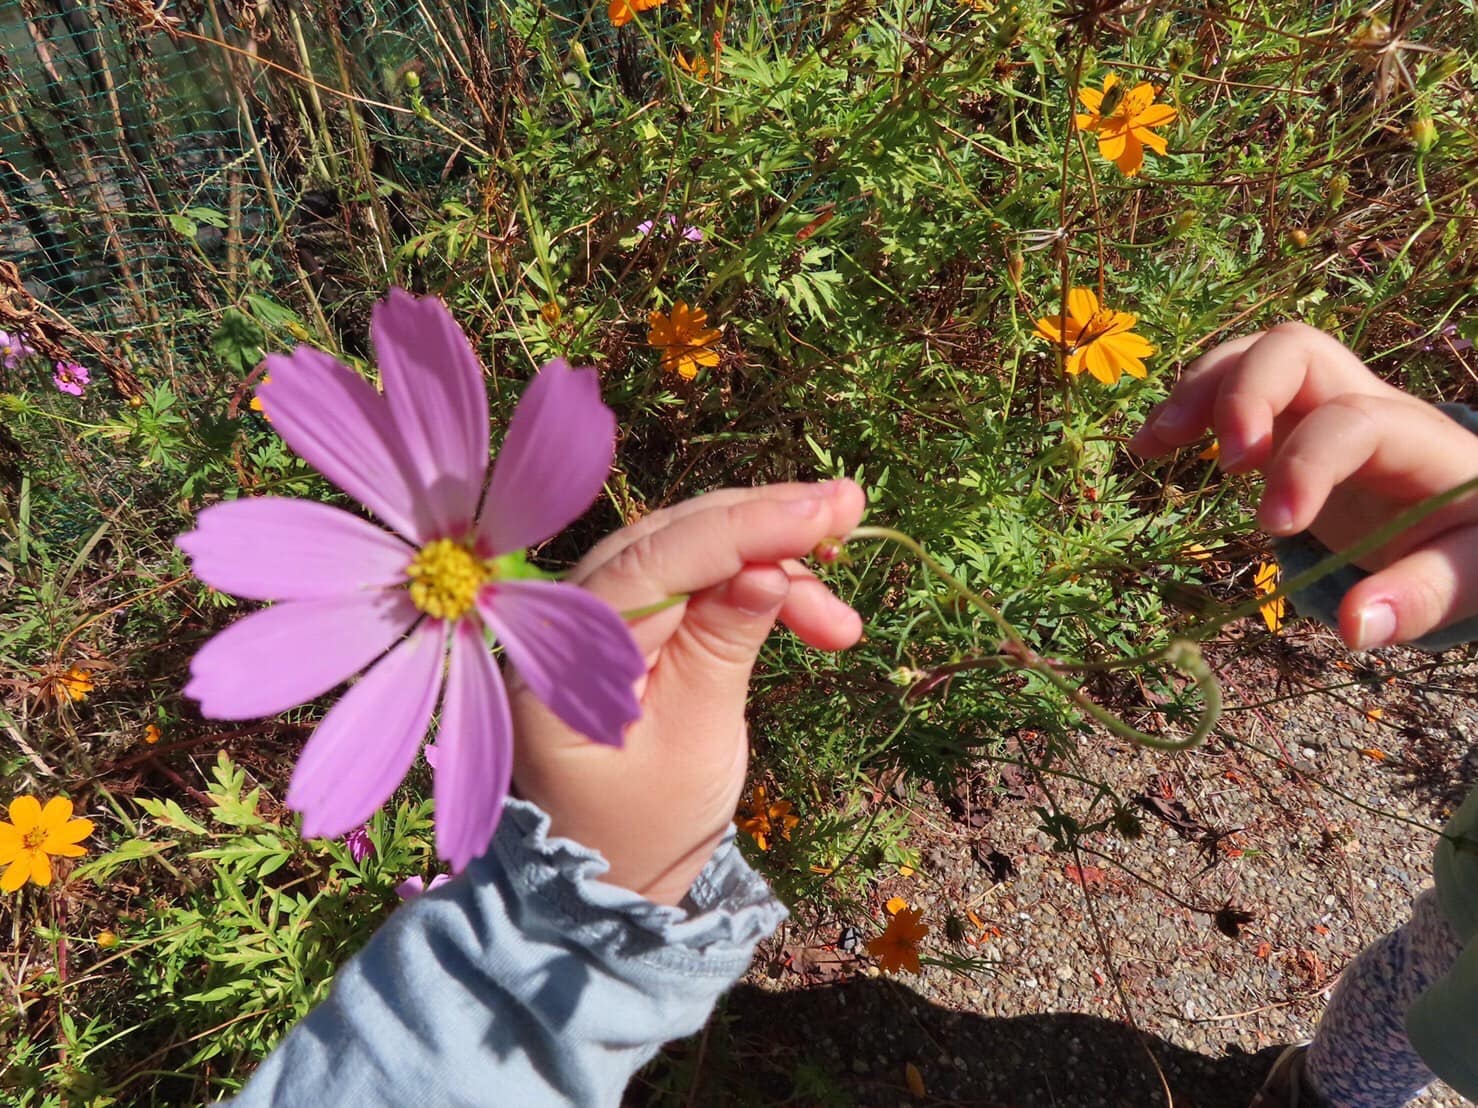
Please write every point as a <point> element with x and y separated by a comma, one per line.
<point>1342,453</point>
<point>657,808</point>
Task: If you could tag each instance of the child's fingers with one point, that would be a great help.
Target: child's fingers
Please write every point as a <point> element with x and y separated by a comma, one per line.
<point>1183,416</point>
<point>1330,444</point>
<point>1292,365</point>
<point>700,549</point>
<point>817,616</point>
<point>1428,589</point>
<point>612,545</point>
<point>1240,389</point>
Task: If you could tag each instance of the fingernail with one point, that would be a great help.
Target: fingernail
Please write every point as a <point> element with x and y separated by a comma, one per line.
<point>1172,417</point>
<point>1277,517</point>
<point>1375,625</point>
<point>805,507</point>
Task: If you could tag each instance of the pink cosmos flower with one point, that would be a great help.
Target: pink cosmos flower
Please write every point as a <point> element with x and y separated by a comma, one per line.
<point>71,378</point>
<point>13,349</point>
<point>350,595</point>
<point>415,886</point>
<point>358,843</point>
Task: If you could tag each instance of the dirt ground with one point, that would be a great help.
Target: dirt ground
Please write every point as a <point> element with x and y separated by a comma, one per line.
<point>1268,859</point>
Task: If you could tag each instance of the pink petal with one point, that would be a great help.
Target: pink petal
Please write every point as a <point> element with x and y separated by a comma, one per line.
<point>368,741</point>
<point>281,656</point>
<point>272,548</point>
<point>572,650</point>
<point>434,385</point>
<point>554,460</point>
<point>474,750</point>
<point>338,424</point>
<point>415,886</point>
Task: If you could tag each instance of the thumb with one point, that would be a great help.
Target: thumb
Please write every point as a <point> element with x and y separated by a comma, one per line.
<point>723,629</point>
<point>1431,588</point>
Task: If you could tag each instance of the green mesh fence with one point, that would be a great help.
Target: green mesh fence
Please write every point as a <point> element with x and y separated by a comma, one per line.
<point>157,164</point>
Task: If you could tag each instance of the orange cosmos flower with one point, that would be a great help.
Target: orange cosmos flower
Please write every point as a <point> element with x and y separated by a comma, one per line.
<point>898,947</point>
<point>684,340</point>
<point>1097,339</point>
<point>697,68</point>
<point>1265,582</point>
<point>623,12</point>
<point>1122,118</point>
<point>761,818</point>
<point>33,834</point>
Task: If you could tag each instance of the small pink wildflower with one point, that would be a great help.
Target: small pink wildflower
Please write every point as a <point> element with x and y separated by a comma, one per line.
<point>691,234</point>
<point>71,378</point>
<point>415,886</point>
<point>359,844</point>
<point>350,595</point>
<point>14,349</point>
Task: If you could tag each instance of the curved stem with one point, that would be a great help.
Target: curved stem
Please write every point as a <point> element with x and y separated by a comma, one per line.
<point>1183,655</point>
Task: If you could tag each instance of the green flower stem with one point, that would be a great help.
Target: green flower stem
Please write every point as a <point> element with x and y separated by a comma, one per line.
<point>1184,656</point>
<point>1376,539</point>
<point>631,615</point>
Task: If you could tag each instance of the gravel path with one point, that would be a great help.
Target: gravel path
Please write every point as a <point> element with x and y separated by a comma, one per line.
<point>1266,820</point>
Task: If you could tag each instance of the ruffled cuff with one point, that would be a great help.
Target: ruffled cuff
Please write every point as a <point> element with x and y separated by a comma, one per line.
<point>713,933</point>
<point>1321,600</point>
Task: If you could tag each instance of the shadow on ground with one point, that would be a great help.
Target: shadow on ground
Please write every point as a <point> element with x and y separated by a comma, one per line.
<point>849,1044</point>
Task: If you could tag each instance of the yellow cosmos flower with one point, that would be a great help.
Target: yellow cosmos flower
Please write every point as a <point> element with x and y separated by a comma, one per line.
<point>1097,339</point>
<point>1122,120</point>
<point>623,12</point>
<point>256,403</point>
<point>684,339</point>
<point>761,818</point>
<point>1266,581</point>
<point>898,947</point>
<point>70,687</point>
<point>33,834</point>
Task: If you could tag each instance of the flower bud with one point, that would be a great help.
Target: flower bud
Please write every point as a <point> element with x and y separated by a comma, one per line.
<point>829,551</point>
<point>1015,265</point>
<point>412,80</point>
<point>135,402</point>
<point>1423,133</point>
<point>1298,237</point>
<point>1339,185</point>
<point>550,312</point>
<point>1184,221</point>
<point>1180,56</point>
<point>107,939</point>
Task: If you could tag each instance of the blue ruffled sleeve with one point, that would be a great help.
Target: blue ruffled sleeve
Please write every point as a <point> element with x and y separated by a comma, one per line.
<point>525,982</point>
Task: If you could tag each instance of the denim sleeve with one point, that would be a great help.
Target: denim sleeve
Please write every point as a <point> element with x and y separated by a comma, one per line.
<point>525,982</point>
<point>1320,600</point>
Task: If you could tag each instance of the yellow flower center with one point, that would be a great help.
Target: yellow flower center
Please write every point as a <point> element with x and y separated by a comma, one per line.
<point>445,577</point>
<point>34,838</point>
<point>1098,324</point>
